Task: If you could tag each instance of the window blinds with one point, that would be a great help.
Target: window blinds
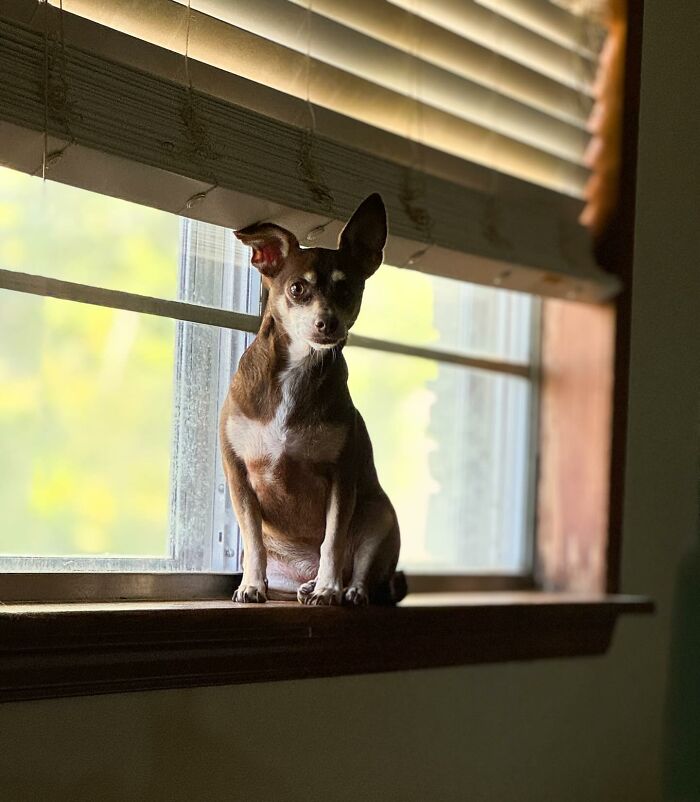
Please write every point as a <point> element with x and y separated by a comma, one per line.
<point>471,118</point>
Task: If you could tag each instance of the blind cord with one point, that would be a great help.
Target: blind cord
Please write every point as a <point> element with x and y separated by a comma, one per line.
<point>310,172</point>
<point>55,93</point>
<point>200,148</point>
<point>413,193</point>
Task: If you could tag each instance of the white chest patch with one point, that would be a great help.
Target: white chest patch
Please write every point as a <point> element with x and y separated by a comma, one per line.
<point>254,440</point>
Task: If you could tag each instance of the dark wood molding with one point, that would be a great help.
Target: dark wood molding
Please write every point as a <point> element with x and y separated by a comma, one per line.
<point>468,583</point>
<point>114,586</point>
<point>65,587</point>
<point>576,400</point>
<point>585,361</point>
<point>82,649</point>
<point>615,252</point>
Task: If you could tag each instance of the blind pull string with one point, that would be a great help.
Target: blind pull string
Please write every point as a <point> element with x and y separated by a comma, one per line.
<point>200,146</point>
<point>45,150</point>
<point>414,189</point>
<point>55,97</point>
<point>491,218</point>
<point>310,171</point>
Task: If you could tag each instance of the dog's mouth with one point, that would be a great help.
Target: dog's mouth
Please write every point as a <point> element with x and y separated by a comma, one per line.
<point>322,343</point>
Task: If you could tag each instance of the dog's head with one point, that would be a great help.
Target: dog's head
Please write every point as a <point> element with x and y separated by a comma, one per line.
<point>315,293</point>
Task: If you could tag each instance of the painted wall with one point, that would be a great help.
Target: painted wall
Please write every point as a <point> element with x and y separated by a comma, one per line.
<point>588,730</point>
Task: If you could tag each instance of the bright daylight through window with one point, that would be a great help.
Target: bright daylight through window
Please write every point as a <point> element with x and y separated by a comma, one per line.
<point>108,417</point>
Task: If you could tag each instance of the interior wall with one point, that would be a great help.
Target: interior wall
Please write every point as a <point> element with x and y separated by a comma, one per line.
<point>585,729</point>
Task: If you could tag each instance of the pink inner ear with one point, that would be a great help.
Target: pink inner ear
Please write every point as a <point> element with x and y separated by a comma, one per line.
<point>268,254</point>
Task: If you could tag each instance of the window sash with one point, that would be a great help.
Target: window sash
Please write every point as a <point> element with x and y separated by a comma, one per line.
<point>223,318</point>
<point>106,586</point>
<point>225,553</point>
<point>214,271</point>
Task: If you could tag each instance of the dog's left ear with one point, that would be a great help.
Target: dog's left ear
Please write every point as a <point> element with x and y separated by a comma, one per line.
<point>364,235</point>
<point>271,246</point>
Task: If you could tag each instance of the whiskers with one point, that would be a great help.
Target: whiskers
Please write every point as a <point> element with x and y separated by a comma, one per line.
<point>318,355</point>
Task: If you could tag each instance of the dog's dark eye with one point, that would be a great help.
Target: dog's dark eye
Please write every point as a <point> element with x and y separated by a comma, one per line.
<point>297,289</point>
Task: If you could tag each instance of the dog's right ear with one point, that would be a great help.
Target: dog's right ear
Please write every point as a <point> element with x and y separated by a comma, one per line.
<point>271,246</point>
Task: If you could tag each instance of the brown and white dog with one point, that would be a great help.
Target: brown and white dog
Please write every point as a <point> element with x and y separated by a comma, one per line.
<point>315,522</point>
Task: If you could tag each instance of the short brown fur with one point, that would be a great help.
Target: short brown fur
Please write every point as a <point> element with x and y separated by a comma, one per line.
<point>314,519</point>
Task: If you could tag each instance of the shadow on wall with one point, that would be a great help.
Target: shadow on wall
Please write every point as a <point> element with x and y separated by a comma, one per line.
<point>682,742</point>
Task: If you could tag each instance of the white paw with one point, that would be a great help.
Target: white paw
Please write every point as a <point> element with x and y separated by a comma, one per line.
<point>305,591</point>
<point>356,595</point>
<point>251,593</point>
<point>310,593</point>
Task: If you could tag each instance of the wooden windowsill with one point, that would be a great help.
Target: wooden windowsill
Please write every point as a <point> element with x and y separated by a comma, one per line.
<point>50,650</point>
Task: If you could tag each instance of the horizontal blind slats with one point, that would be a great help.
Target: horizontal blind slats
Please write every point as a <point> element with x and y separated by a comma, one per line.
<point>474,22</point>
<point>442,48</point>
<point>366,57</point>
<point>391,111</point>
<point>580,33</point>
<point>256,58</point>
<point>527,237</point>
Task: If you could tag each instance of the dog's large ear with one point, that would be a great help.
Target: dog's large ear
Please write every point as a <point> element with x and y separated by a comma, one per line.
<point>271,246</point>
<point>364,235</point>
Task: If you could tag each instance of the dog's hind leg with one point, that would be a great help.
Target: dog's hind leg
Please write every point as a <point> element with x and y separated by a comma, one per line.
<point>376,551</point>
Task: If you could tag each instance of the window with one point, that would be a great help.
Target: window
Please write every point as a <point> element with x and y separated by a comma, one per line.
<point>454,445</point>
<point>109,417</point>
<point>491,129</point>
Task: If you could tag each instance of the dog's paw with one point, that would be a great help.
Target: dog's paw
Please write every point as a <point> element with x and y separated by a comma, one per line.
<point>356,596</point>
<point>251,594</point>
<point>304,591</point>
<point>311,593</point>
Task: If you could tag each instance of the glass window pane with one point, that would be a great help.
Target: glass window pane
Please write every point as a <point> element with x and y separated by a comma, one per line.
<point>414,308</point>
<point>58,231</point>
<point>108,419</point>
<point>86,410</point>
<point>451,447</point>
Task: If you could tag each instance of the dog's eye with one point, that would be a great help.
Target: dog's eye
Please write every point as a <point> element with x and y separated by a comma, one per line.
<point>297,289</point>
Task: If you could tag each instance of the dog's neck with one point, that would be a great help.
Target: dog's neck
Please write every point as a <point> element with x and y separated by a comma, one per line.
<point>289,355</point>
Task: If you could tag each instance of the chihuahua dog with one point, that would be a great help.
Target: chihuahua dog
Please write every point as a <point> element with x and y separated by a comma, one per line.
<point>315,522</point>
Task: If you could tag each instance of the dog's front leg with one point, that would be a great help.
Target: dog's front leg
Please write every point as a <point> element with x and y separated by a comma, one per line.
<point>327,588</point>
<point>253,587</point>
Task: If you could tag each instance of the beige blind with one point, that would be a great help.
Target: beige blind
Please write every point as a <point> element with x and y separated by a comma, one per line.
<point>467,78</point>
<point>493,96</point>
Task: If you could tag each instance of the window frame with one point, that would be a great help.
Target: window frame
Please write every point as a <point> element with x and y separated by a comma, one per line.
<point>49,651</point>
<point>65,650</point>
<point>202,293</point>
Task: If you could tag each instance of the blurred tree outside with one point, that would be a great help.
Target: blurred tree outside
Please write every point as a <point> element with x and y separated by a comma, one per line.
<point>394,396</point>
<point>450,442</point>
<point>85,392</point>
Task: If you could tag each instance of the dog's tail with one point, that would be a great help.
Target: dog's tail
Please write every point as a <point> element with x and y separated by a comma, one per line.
<point>392,591</point>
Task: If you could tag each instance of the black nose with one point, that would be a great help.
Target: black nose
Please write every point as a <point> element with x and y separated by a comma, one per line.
<point>327,324</point>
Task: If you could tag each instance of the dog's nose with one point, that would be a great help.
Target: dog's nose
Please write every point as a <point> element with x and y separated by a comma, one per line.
<point>327,324</point>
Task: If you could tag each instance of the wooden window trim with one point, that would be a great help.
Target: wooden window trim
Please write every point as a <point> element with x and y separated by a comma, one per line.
<point>53,650</point>
<point>587,349</point>
<point>84,586</point>
<point>615,252</point>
